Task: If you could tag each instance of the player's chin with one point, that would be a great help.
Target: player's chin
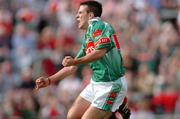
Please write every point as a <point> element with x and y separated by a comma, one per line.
<point>80,26</point>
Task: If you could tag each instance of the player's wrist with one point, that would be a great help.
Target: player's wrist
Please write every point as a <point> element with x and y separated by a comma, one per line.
<point>76,62</point>
<point>48,81</point>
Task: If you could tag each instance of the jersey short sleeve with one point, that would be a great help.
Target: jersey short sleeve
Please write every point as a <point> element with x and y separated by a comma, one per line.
<point>81,52</point>
<point>102,34</point>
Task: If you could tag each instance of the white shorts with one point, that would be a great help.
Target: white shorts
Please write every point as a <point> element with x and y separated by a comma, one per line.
<point>107,96</point>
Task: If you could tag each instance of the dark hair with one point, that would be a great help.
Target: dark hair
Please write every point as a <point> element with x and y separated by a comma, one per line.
<point>94,7</point>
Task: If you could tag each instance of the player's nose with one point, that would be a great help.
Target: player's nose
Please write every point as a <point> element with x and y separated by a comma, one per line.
<point>77,16</point>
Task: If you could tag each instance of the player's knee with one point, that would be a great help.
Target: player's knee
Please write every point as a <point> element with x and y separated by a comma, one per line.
<point>72,115</point>
<point>69,115</point>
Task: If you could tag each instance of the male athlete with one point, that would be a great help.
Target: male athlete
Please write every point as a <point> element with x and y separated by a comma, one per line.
<point>100,49</point>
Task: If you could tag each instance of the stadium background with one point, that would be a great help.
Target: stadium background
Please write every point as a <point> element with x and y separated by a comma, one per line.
<point>35,35</point>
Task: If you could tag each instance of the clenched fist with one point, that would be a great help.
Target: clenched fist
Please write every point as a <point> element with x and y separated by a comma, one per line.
<point>42,82</point>
<point>67,61</point>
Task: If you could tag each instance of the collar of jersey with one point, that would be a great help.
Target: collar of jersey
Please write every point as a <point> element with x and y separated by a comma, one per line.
<point>94,19</point>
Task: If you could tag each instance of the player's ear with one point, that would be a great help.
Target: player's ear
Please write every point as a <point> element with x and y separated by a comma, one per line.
<point>91,15</point>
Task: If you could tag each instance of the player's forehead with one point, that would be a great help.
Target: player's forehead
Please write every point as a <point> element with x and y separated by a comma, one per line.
<point>83,8</point>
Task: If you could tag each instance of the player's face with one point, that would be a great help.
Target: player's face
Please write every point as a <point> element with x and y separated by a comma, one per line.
<point>83,17</point>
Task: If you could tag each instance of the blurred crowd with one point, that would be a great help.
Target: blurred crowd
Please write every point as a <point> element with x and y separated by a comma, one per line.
<point>35,35</point>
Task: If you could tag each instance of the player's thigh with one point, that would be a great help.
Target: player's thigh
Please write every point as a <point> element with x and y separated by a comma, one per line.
<point>96,113</point>
<point>78,108</point>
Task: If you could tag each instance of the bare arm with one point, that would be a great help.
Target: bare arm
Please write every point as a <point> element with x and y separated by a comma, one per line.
<point>93,56</point>
<point>42,82</point>
<point>70,67</point>
<point>64,72</point>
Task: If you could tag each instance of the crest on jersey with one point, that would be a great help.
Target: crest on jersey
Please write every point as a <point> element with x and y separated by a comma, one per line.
<point>90,47</point>
<point>103,41</point>
<point>97,33</point>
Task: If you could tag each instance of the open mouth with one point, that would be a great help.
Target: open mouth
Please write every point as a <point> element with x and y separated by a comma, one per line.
<point>78,21</point>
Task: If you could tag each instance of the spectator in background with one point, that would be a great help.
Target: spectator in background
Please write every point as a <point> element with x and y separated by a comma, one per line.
<point>67,95</point>
<point>6,27</point>
<point>53,110</point>
<point>24,42</point>
<point>19,104</point>
<point>27,79</point>
<point>9,78</point>
<point>145,80</point>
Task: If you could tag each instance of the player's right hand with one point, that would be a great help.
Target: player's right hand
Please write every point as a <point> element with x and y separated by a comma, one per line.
<point>42,82</point>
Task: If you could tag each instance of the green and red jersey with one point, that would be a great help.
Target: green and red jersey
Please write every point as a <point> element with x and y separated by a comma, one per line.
<point>100,35</point>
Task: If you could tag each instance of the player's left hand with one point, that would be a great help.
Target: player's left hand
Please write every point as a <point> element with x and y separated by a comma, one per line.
<point>68,61</point>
